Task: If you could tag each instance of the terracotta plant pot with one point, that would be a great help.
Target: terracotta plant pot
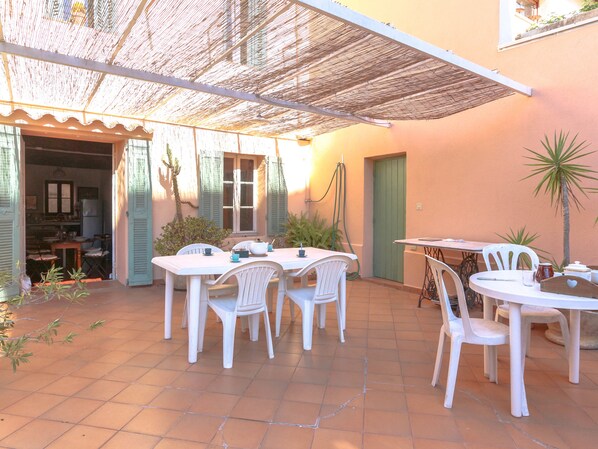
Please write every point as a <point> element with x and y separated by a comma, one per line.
<point>589,331</point>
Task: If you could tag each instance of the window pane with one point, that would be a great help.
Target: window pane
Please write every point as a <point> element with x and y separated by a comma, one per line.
<point>246,195</point>
<point>52,190</point>
<point>52,206</point>
<point>228,194</point>
<point>246,219</point>
<point>65,190</point>
<point>227,218</point>
<point>229,166</point>
<point>247,170</point>
<point>66,206</point>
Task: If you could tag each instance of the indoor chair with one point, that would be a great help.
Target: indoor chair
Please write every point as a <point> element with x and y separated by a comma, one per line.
<point>328,271</point>
<point>463,329</point>
<point>507,256</point>
<point>252,279</point>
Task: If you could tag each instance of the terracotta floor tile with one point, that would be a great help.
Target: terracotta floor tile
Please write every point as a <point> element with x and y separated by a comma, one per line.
<point>37,434</point>
<point>305,392</point>
<point>67,385</point>
<point>229,385</point>
<point>217,404</point>
<point>193,381</point>
<point>73,410</point>
<point>387,423</point>
<point>330,438</point>
<point>281,436</point>
<point>153,421</point>
<point>137,394</point>
<point>126,373</point>
<point>385,400</point>
<point>130,440</point>
<point>175,399</point>
<point>112,415</point>
<point>82,437</point>
<point>35,404</point>
<point>200,428</point>
<point>311,376</point>
<point>259,409</point>
<point>344,395</point>
<point>342,418</point>
<point>267,389</point>
<point>373,441</point>
<point>170,443</point>
<point>443,428</point>
<point>297,413</point>
<point>159,377</point>
<point>241,434</point>
<point>437,444</point>
<point>34,381</point>
<point>10,423</point>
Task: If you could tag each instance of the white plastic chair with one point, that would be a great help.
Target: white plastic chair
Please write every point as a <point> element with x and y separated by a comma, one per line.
<point>328,271</point>
<point>476,331</point>
<point>252,281</point>
<point>508,256</point>
<point>198,248</point>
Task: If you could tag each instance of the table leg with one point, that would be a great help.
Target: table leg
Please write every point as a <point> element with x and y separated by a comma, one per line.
<point>168,292</point>
<point>343,298</point>
<point>193,320</point>
<point>574,336</point>
<point>487,316</point>
<point>518,398</point>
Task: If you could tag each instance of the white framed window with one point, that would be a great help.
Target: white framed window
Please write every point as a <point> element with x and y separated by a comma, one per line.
<point>522,20</point>
<point>240,189</point>
<point>59,197</point>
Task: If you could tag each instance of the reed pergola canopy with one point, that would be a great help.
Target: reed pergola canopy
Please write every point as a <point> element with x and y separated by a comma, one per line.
<point>262,67</point>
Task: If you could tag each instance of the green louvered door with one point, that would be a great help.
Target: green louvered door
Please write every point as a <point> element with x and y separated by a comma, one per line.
<point>10,229</point>
<point>277,197</point>
<point>139,213</point>
<point>389,217</point>
<point>211,184</point>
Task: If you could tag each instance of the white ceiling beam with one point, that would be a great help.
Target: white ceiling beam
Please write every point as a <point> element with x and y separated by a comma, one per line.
<point>338,12</point>
<point>101,67</point>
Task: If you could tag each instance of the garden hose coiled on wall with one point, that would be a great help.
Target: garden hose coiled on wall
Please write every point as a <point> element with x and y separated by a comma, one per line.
<point>339,177</point>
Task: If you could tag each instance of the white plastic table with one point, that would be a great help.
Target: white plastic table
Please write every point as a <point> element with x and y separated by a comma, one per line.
<point>507,286</point>
<point>196,266</point>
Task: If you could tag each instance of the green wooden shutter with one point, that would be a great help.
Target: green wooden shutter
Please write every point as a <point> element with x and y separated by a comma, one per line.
<point>277,197</point>
<point>211,199</point>
<point>139,212</point>
<point>10,225</point>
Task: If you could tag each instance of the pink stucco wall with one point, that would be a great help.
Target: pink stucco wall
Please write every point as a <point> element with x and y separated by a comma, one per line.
<point>467,169</point>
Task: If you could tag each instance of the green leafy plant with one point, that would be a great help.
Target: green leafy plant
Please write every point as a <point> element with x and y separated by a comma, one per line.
<point>561,175</point>
<point>313,232</point>
<point>522,237</point>
<point>177,234</point>
<point>13,343</point>
<point>589,5</point>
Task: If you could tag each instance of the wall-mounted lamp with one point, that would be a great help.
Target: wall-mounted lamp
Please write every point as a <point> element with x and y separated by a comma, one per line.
<point>58,173</point>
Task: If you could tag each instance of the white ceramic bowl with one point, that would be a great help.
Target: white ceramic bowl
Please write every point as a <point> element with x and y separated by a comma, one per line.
<point>258,248</point>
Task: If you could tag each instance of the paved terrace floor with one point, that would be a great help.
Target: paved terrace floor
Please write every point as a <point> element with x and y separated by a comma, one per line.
<point>123,386</point>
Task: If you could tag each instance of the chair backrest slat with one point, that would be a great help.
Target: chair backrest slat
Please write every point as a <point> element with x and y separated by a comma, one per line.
<point>509,256</point>
<point>252,280</point>
<point>439,269</point>
<point>197,248</point>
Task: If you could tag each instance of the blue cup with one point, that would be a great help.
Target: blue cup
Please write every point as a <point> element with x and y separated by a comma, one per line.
<point>207,251</point>
<point>235,257</point>
<point>301,253</point>
<point>270,247</point>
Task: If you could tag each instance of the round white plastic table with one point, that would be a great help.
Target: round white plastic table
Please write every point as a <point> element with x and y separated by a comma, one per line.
<point>508,286</point>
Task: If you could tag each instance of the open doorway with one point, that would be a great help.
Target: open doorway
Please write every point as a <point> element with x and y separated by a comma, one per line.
<point>68,206</point>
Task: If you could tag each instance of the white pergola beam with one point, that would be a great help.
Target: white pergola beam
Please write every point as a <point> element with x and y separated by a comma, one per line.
<point>110,69</point>
<point>338,12</point>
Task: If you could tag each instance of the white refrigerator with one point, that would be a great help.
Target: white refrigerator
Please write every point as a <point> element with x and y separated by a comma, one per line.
<point>91,218</point>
